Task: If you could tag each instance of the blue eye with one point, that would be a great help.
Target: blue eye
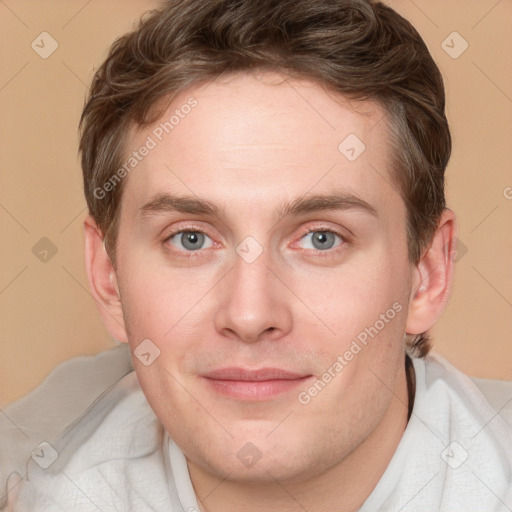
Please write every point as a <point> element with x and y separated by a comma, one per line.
<point>322,240</point>
<point>189,240</point>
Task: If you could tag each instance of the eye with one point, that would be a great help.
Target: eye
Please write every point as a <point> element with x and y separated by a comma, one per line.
<point>322,239</point>
<point>188,240</point>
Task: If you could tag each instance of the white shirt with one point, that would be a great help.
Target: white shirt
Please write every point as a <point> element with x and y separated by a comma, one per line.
<point>454,456</point>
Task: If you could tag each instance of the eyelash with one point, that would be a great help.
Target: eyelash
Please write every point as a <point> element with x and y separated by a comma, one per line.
<point>329,252</point>
<point>184,254</point>
<point>194,229</point>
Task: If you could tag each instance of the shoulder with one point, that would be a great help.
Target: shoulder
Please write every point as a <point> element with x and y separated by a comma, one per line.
<point>471,417</point>
<point>106,457</point>
<point>480,396</point>
<point>103,458</point>
<point>456,451</point>
<point>499,395</point>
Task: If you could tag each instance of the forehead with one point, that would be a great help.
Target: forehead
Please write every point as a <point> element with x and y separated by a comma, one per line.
<point>263,137</point>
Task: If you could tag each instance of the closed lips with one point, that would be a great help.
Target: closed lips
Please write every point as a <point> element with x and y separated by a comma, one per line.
<point>241,374</point>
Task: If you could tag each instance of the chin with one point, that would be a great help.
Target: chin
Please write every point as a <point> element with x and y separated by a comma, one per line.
<point>264,459</point>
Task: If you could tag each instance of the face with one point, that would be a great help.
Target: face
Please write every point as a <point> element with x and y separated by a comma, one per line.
<point>262,250</point>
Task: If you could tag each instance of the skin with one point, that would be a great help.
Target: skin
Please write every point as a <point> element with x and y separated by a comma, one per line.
<point>253,143</point>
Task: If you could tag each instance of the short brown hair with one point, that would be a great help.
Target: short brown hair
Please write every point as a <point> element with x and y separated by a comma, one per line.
<point>360,48</point>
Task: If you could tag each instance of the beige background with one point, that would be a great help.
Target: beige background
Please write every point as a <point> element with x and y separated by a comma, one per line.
<point>47,313</point>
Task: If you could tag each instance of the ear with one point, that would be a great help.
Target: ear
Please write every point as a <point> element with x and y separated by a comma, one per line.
<point>103,281</point>
<point>433,277</point>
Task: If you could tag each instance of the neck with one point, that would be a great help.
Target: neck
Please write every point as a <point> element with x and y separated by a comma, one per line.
<point>343,487</point>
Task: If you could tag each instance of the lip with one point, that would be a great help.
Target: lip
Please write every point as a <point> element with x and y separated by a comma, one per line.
<point>261,374</point>
<point>253,385</point>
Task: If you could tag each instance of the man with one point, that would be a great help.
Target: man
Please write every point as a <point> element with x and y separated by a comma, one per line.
<point>267,230</point>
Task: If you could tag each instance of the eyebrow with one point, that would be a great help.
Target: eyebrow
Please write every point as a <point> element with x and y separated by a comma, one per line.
<point>164,202</point>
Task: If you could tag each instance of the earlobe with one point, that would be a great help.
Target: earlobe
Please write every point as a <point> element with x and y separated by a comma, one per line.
<point>433,277</point>
<point>103,281</point>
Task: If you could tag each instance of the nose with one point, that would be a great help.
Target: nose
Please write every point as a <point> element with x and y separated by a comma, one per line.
<point>254,304</point>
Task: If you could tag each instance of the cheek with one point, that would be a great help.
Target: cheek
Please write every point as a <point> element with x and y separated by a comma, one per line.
<point>353,297</point>
<point>151,291</point>
<point>366,312</point>
<point>167,308</point>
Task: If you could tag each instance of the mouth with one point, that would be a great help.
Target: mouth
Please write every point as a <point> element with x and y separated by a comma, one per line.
<point>253,385</point>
